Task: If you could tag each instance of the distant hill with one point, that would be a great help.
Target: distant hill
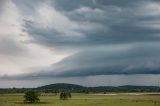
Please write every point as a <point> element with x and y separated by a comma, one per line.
<point>79,88</point>
<point>62,86</point>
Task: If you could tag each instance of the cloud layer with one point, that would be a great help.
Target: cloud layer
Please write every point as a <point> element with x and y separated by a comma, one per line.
<point>66,38</point>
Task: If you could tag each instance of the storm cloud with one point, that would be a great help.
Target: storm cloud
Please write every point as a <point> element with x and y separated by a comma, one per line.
<point>115,24</point>
<point>80,38</point>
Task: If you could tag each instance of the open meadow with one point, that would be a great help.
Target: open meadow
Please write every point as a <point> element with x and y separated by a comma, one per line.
<point>84,100</point>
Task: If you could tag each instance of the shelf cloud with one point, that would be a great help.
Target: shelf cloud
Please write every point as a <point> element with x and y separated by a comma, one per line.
<point>67,38</point>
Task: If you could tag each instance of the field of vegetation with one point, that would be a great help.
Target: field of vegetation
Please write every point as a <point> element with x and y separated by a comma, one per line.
<point>83,100</point>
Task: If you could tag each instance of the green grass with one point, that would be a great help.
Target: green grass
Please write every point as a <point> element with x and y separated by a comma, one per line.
<point>84,100</point>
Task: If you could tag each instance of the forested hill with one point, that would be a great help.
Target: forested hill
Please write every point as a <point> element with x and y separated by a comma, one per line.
<point>64,86</point>
<point>79,88</point>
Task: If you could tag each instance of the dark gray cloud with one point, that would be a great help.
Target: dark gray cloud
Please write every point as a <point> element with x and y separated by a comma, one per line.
<point>101,25</point>
<point>72,5</point>
<point>115,24</point>
<point>128,60</point>
<point>135,60</point>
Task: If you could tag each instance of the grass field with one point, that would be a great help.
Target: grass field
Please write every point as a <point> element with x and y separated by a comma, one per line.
<point>84,100</point>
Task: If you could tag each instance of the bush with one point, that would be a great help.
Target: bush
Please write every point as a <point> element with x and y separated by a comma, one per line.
<point>31,96</point>
<point>65,95</point>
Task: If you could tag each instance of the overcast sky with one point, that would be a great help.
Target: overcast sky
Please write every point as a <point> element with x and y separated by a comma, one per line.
<point>79,41</point>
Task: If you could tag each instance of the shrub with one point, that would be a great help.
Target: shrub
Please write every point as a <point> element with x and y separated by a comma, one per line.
<point>31,96</point>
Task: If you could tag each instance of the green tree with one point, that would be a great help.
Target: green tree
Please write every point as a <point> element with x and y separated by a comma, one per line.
<point>32,97</point>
